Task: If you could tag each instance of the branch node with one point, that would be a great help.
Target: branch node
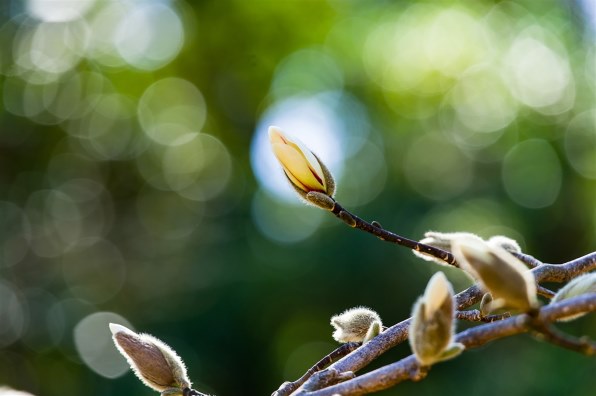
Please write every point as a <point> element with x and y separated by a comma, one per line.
<point>325,378</point>
<point>419,373</point>
<point>347,218</point>
<point>376,224</point>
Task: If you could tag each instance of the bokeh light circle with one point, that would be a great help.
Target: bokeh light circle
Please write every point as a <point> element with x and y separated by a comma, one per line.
<point>538,75</point>
<point>306,71</point>
<point>149,36</point>
<point>580,144</point>
<point>13,314</point>
<point>284,222</point>
<point>93,340</point>
<point>94,270</point>
<point>58,10</point>
<point>436,168</point>
<point>13,245</point>
<point>482,101</point>
<point>199,169</point>
<point>171,108</point>
<point>532,174</point>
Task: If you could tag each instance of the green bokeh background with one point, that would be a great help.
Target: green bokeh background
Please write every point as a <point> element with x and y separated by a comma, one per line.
<point>461,116</point>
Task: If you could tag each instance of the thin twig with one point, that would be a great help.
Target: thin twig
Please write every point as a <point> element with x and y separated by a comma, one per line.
<point>530,261</point>
<point>544,292</point>
<point>407,368</point>
<point>288,387</point>
<point>551,334</point>
<point>376,230</point>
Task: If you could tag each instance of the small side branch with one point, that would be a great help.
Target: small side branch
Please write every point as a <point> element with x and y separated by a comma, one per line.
<point>544,292</point>
<point>528,260</point>
<point>288,387</point>
<point>375,229</point>
<point>474,315</point>
<point>549,333</point>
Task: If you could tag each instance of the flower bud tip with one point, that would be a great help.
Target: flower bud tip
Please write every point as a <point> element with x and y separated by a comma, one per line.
<point>116,328</point>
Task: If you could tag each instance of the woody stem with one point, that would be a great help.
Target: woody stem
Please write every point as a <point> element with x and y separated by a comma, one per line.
<point>385,235</point>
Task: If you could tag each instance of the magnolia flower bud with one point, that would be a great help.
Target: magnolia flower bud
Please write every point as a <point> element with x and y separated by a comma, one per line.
<point>506,243</point>
<point>485,304</point>
<point>441,240</point>
<point>303,169</point>
<point>6,391</point>
<point>498,272</point>
<point>581,285</point>
<point>155,363</point>
<point>358,324</point>
<point>432,328</point>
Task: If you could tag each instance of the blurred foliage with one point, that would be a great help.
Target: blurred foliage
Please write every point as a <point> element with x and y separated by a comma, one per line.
<point>137,186</point>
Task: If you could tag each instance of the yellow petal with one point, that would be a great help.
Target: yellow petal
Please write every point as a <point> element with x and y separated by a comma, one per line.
<point>296,167</point>
<point>276,135</point>
<point>312,161</point>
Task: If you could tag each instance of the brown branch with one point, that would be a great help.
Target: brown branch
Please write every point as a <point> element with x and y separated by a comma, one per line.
<point>567,271</point>
<point>375,229</point>
<point>549,333</point>
<point>528,260</point>
<point>398,333</point>
<point>408,368</point>
<point>288,387</point>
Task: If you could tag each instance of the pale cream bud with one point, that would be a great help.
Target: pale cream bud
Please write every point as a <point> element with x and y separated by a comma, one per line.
<point>432,327</point>
<point>507,279</point>
<point>486,304</point>
<point>441,240</point>
<point>154,362</point>
<point>6,391</point>
<point>506,243</point>
<point>302,167</point>
<point>356,325</point>
<point>374,330</point>
<point>583,284</point>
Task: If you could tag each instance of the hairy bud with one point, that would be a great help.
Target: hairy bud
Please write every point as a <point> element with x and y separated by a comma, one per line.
<point>358,324</point>
<point>155,363</point>
<point>432,328</point>
<point>320,200</point>
<point>374,330</point>
<point>302,167</point>
<point>507,279</point>
<point>506,243</point>
<point>441,240</point>
<point>6,391</point>
<point>485,304</point>
<point>581,285</point>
